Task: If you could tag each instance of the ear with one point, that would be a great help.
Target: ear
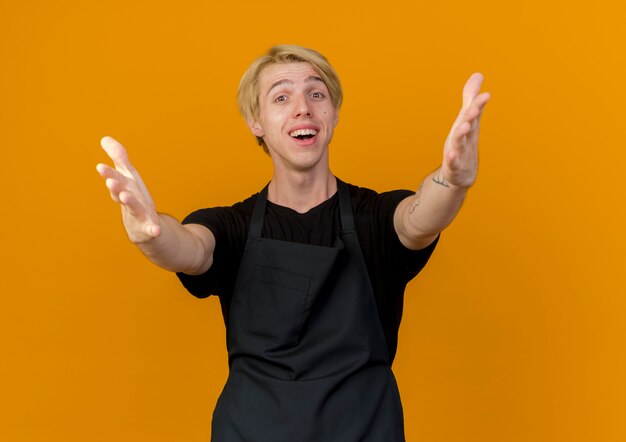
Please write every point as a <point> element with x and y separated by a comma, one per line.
<point>336,119</point>
<point>256,128</point>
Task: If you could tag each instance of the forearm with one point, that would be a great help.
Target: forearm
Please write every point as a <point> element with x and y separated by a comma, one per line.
<point>433,207</point>
<point>177,249</point>
<point>418,219</point>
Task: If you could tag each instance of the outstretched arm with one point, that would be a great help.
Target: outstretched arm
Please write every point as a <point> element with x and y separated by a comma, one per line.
<point>418,219</point>
<point>167,243</point>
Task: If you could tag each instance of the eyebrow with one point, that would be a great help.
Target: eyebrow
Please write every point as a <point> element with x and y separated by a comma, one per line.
<point>282,82</point>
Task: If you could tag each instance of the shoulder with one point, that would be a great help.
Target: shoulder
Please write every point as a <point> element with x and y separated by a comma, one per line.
<point>368,200</point>
<point>373,215</point>
<point>226,215</point>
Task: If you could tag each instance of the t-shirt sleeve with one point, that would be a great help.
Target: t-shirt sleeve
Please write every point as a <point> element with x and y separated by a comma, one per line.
<point>398,260</point>
<point>225,226</point>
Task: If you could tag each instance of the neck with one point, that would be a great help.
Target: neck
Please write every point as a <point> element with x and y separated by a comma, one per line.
<point>302,191</point>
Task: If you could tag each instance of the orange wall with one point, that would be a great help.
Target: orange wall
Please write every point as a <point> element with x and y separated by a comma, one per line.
<point>515,330</point>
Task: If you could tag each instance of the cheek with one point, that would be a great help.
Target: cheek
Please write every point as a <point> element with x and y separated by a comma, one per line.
<point>276,118</point>
<point>269,124</point>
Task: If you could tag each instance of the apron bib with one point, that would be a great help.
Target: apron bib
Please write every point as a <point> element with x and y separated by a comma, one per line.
<point>307,355</point>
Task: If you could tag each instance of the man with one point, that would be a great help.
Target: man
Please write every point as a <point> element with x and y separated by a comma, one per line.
<point>311,271</point>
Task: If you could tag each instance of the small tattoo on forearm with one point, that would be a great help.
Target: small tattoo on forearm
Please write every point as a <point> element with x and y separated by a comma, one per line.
<point>418,194</point>
<point>439,178</point>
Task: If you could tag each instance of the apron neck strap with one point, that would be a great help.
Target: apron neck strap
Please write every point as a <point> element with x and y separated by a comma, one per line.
<point>256,223</point>
<point>345,208</point>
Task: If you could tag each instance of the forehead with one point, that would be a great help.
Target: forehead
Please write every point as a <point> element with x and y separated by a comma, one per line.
<point>297,72</point>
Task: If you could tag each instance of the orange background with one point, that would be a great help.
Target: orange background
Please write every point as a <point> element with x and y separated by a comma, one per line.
<point>515,331</point>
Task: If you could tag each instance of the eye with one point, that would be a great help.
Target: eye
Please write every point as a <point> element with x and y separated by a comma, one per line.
<point>317,95</point>
<point>281,98</point>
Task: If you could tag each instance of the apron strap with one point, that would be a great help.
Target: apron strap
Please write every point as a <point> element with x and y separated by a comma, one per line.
<point>256,223</point>
<point>345,207</point>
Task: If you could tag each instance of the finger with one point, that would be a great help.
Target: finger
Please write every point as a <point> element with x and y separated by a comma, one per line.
<point>112,178</point>
<point>477,109</point>
<point>480,101</point>
<point>472,133</point>
<point>135,208</point>
<point>111,185</point>
<point>138,204</point>
<point>470,114</point>
<point>116,185</point>
<point>474,112</point>
<point>102,169</point>
<point>471,89</point>
<point>138,211</point>
<point>118,154</point>
<point>153,230</point>
<point>452,160</point>
<point>107,171</point>
<point>461,131</point>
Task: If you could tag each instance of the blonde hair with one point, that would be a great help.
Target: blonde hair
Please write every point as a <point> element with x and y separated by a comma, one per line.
<point>248,93</point>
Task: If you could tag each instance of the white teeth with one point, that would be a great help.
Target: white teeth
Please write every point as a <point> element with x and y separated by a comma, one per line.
<point>299,132</point>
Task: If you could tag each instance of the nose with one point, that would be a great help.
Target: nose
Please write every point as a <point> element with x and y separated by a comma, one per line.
<point>302,107</point>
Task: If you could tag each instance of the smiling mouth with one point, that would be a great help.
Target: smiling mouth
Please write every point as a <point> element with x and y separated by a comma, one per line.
<point>303,134</point>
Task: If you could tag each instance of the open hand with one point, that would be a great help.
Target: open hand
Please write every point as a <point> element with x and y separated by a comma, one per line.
<point>460,153</point>
<point>140,218</point>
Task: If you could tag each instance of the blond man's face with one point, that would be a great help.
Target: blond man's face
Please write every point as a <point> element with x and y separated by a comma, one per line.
<point>296,116</point>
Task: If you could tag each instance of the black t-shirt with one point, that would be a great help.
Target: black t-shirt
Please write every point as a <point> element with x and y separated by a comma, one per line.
<point>390,265</point>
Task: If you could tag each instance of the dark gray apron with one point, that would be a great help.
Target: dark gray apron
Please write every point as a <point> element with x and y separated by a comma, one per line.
<point>307,353</point>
